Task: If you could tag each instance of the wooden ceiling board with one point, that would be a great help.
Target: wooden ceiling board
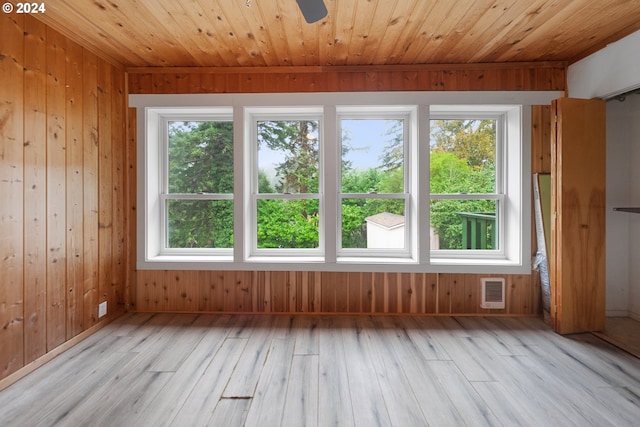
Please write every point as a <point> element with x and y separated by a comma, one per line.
<point>79,31</point>
<point>456,29</point>
<point>553,26</point>
<point>597,30</point>
<point>492,25</point>
<point>396,21</point>
<point>434,27</point>
<point>295,37</point>
<point>129,33</point>
<point>220,32</point>
<point>339,38</point>
<point>273,33</point>
<point>427,16</point>
<point>210,39</point>
<point>409,44</point>
<point>310,42</point>
<point>364,40</point>
<point>184,20</point>
<point>276,35</point>
<point>513,28</point>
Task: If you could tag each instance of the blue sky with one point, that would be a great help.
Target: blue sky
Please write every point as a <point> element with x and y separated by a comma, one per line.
<point>367,140</point>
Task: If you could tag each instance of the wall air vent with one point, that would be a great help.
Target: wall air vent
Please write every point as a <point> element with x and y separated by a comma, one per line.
<point>492,292</point>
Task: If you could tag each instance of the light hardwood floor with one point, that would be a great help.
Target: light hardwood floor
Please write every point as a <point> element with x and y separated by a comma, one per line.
<point>223,370</point>
<point>623,332</point>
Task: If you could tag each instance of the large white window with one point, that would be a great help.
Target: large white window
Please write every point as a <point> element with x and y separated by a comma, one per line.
<point>190,210</point>
<point>373,199</point>
<point>476,170</point>
<point>286,186</point>
<point>339,182</point>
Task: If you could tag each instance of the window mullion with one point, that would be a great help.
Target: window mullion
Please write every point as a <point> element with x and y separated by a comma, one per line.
<point>420,189</point>
<point>242,167</point>
<point>330,162</point>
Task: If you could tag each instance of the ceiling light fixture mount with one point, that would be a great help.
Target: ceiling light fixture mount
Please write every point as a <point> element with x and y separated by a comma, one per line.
<point>312,10</point>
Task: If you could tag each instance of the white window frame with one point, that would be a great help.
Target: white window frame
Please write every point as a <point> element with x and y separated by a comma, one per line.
<point>408,114</point>
<point>517,248</point>
<point>510,148</point>
<point>157,165</point>
<point>252,117</point>
<point>478,113</point>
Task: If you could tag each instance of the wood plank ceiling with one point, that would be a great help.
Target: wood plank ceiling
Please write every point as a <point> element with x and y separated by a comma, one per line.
<point>273,33</point>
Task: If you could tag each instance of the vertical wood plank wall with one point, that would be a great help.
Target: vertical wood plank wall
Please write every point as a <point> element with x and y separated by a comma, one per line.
<point>330,292</point>
<point>62,190</point>
<point>67,196</point>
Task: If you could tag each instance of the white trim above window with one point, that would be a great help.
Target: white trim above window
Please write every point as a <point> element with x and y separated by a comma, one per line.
<point>328,108</point>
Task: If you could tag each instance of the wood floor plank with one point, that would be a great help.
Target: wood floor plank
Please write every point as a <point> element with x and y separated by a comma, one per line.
<point>242,326</point>
<point>420,334</point>
<point>334,397</point>
<point>473,410</point>
<point>625,403</point>
<point>139,338</point>
<point>369,407</point>
<point>583,356</point>
<point>436,407</point>
<point>454,339</point>
<point>301,400</point>
<point>623,332</point>
<point>306,335</point>
<point>132,322</point>
<point>401,403</point>
<point>329,371</point>
<point>506,405</point>
<point>182,344</point>
<point>247,372</point>
<point>604,360</point>
<point>548,393</point>
<point>83,356</point>
<point>171,398</point>
<point>530,381</point>
<point>268,403</point>
<point>116,403</point>
<point>62,397</point>
<point>503,344</point>
<point>201,402</point>
<point>527,398</point>
<point>229,413</point>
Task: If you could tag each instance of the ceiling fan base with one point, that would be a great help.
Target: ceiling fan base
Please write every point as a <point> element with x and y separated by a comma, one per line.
<point>312,10</point>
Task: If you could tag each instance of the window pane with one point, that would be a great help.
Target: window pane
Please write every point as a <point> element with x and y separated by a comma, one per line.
<point>288,223</point>
<point>463,156</point>
<point>288,156</point>
<point>372,156</point>
<point>200,223</point>
<point>200,157</point>
<point>464,224</point>
<point>372,223</point>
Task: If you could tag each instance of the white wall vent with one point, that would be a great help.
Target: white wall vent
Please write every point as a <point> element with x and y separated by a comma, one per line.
<point>492,292</point>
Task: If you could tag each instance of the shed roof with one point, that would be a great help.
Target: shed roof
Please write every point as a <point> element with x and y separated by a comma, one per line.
<point>386,219</point>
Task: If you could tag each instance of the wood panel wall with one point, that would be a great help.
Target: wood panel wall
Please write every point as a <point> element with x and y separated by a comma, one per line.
<point>522,76</point>
<point>62,190</point>
<point>329,292</point>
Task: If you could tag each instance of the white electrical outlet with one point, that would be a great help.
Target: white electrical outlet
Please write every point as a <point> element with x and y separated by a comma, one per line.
<point>102,309</point>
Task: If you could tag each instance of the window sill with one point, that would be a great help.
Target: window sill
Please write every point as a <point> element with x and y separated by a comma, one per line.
<point>480,265</point>
<point>343,264</point>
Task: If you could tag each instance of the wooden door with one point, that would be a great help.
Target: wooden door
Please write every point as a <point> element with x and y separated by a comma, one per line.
<point>578,205</point>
